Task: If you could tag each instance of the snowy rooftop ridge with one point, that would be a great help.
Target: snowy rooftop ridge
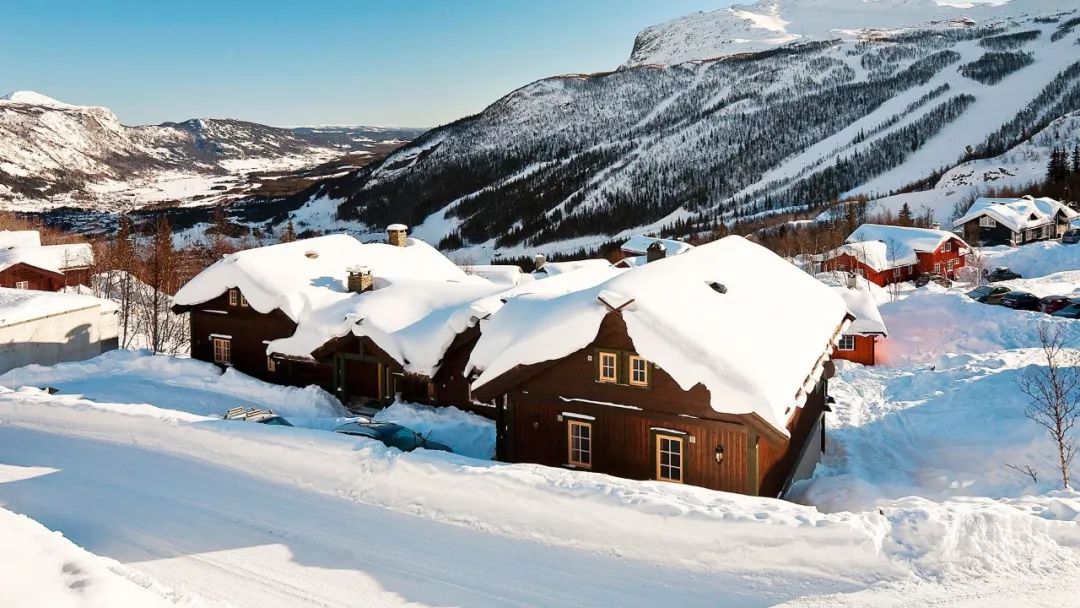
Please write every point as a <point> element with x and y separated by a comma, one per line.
<point>53,258</point>
<point>677,318</point>
<point>1017,213</point>
<point>639,245</point>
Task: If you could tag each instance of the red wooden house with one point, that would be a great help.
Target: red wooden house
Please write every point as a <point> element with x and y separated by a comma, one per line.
<point>689,369</point>
<point>892,254</point>
<point>46,268</point>
<point>859,341</point>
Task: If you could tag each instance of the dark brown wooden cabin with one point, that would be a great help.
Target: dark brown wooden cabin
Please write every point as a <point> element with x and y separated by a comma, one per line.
<point>604,409</point>
<point>228,332</point>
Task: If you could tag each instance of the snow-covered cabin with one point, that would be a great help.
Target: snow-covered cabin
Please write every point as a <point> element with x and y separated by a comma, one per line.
<point>707,368</point>
<point>544,269</point>
<point>48,328</point>
<point>1015,221</point>
<point>859,341</point>
<point>45,268</point>
<point>642,249</point>
<point>891,254</point>
<point>365,320</point>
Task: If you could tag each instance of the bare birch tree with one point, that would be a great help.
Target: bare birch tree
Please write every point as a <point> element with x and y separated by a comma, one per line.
<point>1053,390</point>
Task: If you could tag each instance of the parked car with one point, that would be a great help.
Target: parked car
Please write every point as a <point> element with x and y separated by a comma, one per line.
<point>392,435</point>
<point>926,278</point>
<point>1072,311</point>
<point>1071,236</point>
<point>1002,273</point>
<point>1020,300</point>
<point>988,294</point>
<point>256,415</point>
<point>1052,304</point>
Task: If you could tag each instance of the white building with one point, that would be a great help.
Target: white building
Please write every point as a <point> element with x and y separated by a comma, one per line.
<point>51,327</point>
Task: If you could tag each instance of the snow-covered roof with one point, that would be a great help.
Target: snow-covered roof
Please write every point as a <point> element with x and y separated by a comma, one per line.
<point>639,245</point>
<point>54,258</point>
<point>758,347</point>
<point>882,247</point>
<point>21,305</point>
<point>862,304</point>
<point>506,275</point>
<point>1017,213</point>
<point>553,268</point>
<point>415,289</point>
<point>20,238</point>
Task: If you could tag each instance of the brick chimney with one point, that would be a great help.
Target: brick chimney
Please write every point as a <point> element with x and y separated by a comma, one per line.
<point>396,234</point>
<point>655,251</point>
<point>538,261</point>
<point>360,279</point>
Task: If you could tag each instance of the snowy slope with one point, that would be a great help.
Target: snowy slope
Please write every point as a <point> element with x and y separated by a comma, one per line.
<point>768,24</point>
<point>580,160</point>
<point>54,153</point>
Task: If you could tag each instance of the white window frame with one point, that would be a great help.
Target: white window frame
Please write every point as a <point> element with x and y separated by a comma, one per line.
<point>987,222</point>
<point>669,441</point>
<point>603,356</point>
<point>947,247</point>
<point>579,443</point>
<point>846,344</point>
<point>271,365</point>
<point>233,297</point>
<point>222,350</point>
<point>896,272</point>
<point>243,300</point>
<point>22,284</point>
<point>635,359</point>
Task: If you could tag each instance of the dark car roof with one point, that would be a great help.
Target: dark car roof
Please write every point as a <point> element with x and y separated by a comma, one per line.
<point>1019,294</point>
<point>1053,298</point>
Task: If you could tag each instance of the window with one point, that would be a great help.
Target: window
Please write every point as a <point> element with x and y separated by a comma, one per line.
<point>987,222</point>
<point>579,443</point>
<point>669,458</point>
<point>896,272</point>
<point>948,246</point>
<point>639,371</point>
<point>243,301</point>
<point>232,297</point>
<point>222,351</point>
<point>937,268</point>
<point>846,343</point>
<point>608,365</point>
<point>271,365</point>
<point>22,284</point>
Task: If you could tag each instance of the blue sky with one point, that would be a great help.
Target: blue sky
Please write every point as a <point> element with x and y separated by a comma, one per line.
<point>394,62</point>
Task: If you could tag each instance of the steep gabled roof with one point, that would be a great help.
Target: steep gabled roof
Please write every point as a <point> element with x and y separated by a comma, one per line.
<point>721,315</point>
<point>1017,214</point>
<point>862,302</point>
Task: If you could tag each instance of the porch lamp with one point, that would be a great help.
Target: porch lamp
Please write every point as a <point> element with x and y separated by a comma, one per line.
<point>719,454</point>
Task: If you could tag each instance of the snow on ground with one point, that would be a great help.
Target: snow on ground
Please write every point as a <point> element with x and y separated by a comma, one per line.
<point>185,385</point>
<point>39,567</point>
<point>464,432</point>
<point>1035,259</point>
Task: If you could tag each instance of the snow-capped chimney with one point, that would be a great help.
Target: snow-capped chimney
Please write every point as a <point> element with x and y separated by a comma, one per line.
<point>655,251</point>
<point>361,279</point>
<point>538,261</point>
<point>852,280</point>
<point>396,234</point>
<point>936,226</point>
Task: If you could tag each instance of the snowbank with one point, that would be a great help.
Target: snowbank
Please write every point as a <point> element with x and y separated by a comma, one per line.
<point>39,567</point>
<point>466,433</point>
<point>185,385</point>
<point>1035,259</point>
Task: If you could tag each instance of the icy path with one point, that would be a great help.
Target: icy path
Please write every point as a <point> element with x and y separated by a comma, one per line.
<point>230,537</point>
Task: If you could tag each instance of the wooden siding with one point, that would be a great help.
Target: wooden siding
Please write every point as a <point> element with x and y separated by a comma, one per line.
<point>777,461</point>
<point>624,416</point>
<point>927,262</point>
<point>863,353</point>
<point>36,278</point>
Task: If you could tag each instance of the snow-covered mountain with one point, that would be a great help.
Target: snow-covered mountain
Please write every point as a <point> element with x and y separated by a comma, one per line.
<point>54,153</point>
<point>768,24</point>
<point>575,161</point>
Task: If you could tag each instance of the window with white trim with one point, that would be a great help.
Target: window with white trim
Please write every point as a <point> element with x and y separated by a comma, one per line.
<point>639,371</point>
<point>608,367</point>
<point>947,247</point>
<point>271,365</point>
<point>896,272</point>
<point>232,297</point>
<point>579,443</point>
<point>846,343</point>
<point>669,458</point>
<point>243,300</point>
<point>987,222</point>
<point>22,284</point>
<point>222,351</point>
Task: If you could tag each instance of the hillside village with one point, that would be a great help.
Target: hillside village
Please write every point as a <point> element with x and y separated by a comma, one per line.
<point>832,363</point>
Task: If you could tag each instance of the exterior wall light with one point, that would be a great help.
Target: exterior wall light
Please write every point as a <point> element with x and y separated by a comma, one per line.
<point>719,454</point>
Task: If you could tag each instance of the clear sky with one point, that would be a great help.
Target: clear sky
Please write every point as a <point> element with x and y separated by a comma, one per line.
<point>388,62</point>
